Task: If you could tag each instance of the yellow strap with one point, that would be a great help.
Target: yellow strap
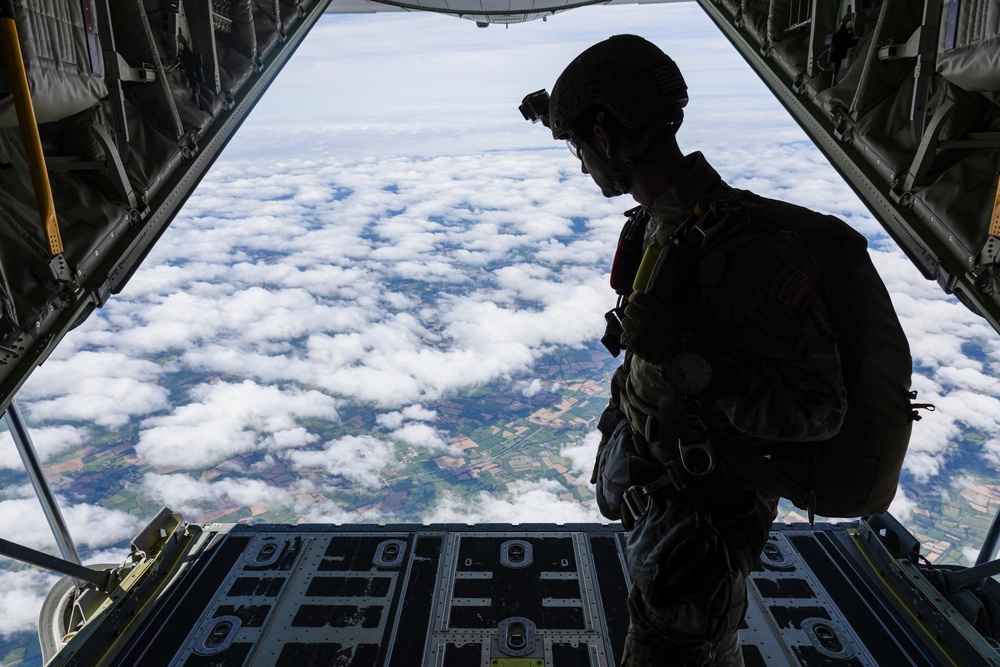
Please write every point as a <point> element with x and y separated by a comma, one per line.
<point>645,271</point>
<point>29,134</point>
<point>995,220</point>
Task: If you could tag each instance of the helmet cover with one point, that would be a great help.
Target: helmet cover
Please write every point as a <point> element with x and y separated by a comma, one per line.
<point>628,76</point>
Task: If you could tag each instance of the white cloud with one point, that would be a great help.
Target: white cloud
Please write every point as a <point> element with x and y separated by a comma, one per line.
<point>932,436</point>
<point>357,459</point>
<point>524,502</point>
<point>21,596</point>
<point>970,555</point>
<point>327,511</point>
<point>229,420</point>
<point>582,456</point>
<point>420,435</point>
<point>192,497</point>
<point>991,450</point>
<point>529,389</point>
<point>91,526</point>
<point>419,413</point>
<point>106,387</point>
<point>902,506</point>
<point>390,420</point>
<point>48,441</point>
<point>292,437</point>
<point>974,410</point>
<point>970,379</point>
<point>395,419</point>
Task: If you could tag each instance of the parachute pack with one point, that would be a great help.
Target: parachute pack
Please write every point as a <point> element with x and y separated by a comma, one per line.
<point>856,472</point>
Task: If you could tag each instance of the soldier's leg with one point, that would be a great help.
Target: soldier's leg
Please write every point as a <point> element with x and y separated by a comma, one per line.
<point>703,633</point>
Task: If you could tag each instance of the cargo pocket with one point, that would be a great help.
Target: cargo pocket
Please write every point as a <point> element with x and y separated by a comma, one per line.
<point>675,554</point>
<point>619,468</point>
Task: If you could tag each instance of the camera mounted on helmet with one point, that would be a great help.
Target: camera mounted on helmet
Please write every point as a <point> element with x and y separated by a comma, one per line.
<point>535,107</point>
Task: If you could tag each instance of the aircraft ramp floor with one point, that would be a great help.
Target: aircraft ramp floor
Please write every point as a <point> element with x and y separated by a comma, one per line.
<point>513,596</point>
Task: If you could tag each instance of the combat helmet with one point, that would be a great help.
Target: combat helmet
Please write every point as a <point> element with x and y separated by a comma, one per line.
<point>630,77</point>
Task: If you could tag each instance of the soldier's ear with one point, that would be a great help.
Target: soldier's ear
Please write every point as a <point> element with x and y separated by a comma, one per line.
<point>605,140</point>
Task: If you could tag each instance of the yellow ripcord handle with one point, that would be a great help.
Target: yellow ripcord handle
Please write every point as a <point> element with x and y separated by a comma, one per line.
<point>29,128</point>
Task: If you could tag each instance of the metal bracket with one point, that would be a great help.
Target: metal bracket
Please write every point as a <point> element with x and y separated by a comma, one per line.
<point>116,96</point>
<point>63,273</point>
<point>516,554</point>
<point>909,49</point>
<point>987,268</point>
<point>516,636</point>
<point>201,25</point>
<point>154,536</point>
<point>122,71</point>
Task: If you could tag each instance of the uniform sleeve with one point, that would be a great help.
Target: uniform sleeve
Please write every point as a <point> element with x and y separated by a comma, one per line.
<point>778,375</point>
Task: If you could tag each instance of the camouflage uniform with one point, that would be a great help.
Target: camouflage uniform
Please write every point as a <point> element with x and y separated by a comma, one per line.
<point>746,299</point>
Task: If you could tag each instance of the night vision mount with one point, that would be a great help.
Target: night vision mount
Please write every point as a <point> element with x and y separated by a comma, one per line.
<point>535,107</point>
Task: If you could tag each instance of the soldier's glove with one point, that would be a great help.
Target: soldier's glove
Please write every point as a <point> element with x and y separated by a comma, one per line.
<point>649,328</point>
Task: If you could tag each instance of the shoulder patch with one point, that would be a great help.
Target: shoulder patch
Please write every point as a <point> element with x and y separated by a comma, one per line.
<point>792,287</point>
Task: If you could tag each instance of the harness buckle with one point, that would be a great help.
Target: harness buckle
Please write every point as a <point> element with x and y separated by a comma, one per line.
<point>636,501</point>
<point>697,454</point>
<point>613,331</point>
<point>651,430</point>
<point>637,498</point>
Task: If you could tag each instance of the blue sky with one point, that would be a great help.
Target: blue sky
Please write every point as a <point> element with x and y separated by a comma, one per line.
<point>391,147</point>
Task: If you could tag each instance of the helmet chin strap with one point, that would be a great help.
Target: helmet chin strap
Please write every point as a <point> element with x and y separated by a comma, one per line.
<point>643,145</point>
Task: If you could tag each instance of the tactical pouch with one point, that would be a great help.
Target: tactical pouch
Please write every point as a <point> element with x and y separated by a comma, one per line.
<point>619,468</point>
<point>675,553</point>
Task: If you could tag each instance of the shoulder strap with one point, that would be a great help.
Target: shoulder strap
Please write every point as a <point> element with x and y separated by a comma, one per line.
<point>711,215</point>
<point>629,252</point>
